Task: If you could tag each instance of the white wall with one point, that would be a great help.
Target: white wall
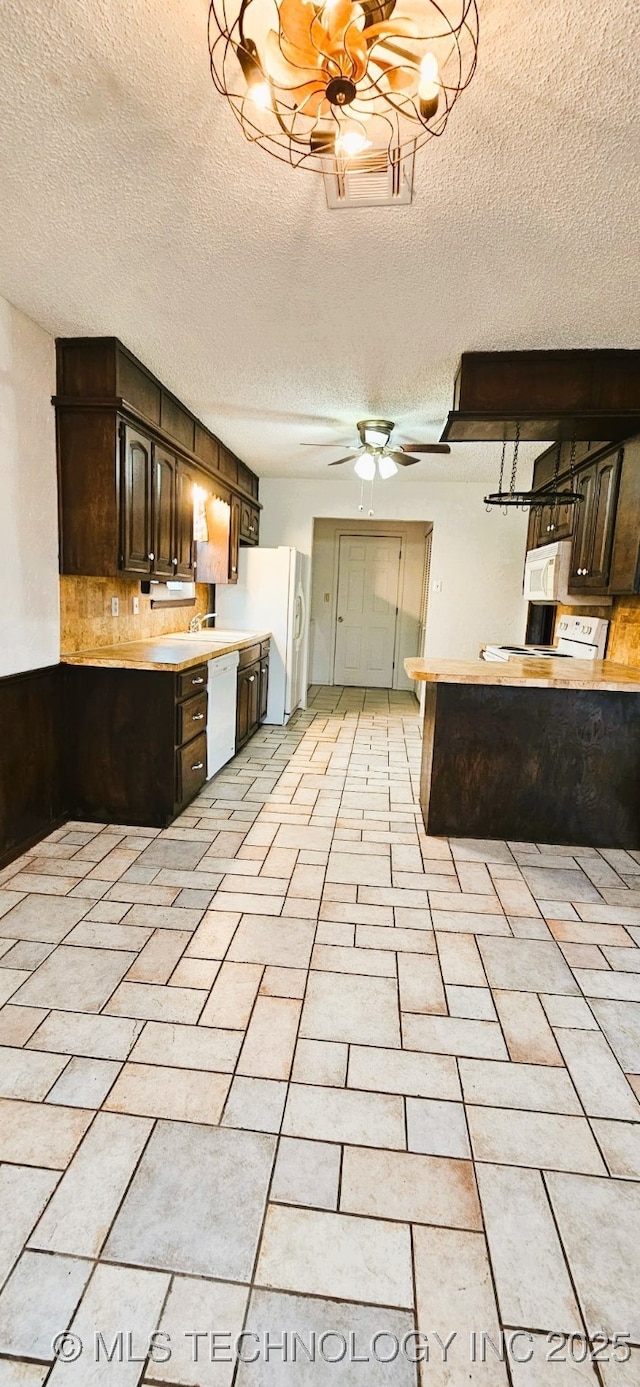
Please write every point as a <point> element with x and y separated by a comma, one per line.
<point>477,556</point>
<point>29,590</point>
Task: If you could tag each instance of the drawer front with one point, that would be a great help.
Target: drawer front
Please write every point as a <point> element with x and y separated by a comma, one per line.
<point>192,681</point>
<point>248,656</point>
<point>192,768</point>
<point>192,718</point>
<point>265,647</point>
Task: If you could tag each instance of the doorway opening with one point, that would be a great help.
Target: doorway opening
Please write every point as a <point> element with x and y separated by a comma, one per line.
<point>368,601</point>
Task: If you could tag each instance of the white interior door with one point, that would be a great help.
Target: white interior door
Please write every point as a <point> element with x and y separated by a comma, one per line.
<point>367,610</point>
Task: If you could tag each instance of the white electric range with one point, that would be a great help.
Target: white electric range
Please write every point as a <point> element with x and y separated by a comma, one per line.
<point>579,638</point>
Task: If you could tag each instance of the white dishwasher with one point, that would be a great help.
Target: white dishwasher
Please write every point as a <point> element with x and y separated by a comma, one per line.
<point>221,714</point>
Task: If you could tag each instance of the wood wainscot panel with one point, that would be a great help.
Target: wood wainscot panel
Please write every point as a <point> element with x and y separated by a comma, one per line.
<point>33,796</point>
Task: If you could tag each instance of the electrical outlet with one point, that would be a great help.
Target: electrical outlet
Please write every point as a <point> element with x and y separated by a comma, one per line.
<point>135,606</point>
<point>437,585</point>
<point>115,606</point>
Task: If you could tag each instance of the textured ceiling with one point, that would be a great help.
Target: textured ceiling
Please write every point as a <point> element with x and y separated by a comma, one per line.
<point>131,205</point>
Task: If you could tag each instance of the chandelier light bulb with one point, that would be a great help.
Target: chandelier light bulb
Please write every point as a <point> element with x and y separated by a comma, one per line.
<point>386,467</point>
<point>351,141</point>
<point>365,468</point>
<point>429,85</point>
<point>260,93</point>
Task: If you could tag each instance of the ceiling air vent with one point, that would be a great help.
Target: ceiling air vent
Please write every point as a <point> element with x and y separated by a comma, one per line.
<point>376,178</point>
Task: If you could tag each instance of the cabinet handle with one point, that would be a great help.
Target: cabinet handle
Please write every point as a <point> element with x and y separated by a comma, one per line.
<point>198,766</point>
<point>234,569</point>
<point>152,556</point>
<point>252,679</point>
<point>199,680</point>
<point>175,561</point>
<point>197,717</point>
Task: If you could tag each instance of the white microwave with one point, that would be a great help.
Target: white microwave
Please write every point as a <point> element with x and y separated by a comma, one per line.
<point>546,576</point>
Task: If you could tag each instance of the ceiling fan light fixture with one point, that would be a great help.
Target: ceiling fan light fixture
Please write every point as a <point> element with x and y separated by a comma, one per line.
<point>386,467</point>
<point>375,433</point>
<point>365,468</point>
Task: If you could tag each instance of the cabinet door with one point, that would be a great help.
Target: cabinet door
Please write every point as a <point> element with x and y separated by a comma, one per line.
<point>184,543</point>
<point>264,687</point>
<point>254,525</point>
<point>245,521</point>
<point>163,492</point>
<point>234,539</point>
<point>135,501</point>
<point>254,697</point>
<point>605,496</point>
<point>583,530</point>
<point>242,707</point>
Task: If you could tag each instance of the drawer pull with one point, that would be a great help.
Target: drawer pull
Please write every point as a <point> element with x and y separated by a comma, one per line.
<point>198,766</point>
<point>197,717</point>
<point>251,680</point>
<point>152,556</point>
<point>199,680</point>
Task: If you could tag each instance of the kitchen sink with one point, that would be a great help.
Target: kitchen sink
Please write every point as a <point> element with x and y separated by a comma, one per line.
<point>213,637</point>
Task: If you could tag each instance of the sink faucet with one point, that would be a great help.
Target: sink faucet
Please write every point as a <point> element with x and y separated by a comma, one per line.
<point>197,622</point>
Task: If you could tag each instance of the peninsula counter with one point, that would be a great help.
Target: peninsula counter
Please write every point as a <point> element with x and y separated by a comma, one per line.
<point>531,750</point>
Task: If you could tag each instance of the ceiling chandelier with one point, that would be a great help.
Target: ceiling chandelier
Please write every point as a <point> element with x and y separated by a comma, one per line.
<point>312,82</point>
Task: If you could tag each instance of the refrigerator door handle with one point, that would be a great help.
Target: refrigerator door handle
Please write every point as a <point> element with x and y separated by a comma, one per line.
<point>301,614</point>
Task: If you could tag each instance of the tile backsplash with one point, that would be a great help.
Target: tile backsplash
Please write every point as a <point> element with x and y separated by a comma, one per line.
<point>623,614</point>
<point>86,620</point>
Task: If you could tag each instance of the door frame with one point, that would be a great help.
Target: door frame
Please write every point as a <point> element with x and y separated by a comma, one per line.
<point>359,534</point>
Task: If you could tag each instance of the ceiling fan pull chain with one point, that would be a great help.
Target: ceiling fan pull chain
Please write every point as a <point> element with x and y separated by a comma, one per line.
<point>373,482</point>
<point>361,506</point>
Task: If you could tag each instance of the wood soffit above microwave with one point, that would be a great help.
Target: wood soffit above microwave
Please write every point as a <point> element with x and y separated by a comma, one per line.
<point>581,394</point>
<point>98,373</point>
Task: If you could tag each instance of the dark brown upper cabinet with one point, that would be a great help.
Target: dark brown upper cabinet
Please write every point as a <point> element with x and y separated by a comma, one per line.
<point>135,490</point>
<point>605,526</point>
<point>148,506</point>
<point>249,523</point>
<point>234,539</point>
<point>594,531</point>
<point>163,512</point>
<point>128,452</point>
<point>184,544</point>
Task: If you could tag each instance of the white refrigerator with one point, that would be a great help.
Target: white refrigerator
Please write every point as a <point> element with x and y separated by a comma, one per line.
<point>272,594</point>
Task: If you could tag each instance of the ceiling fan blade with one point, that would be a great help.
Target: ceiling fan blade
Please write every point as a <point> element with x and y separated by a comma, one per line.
<point>340,461</point>
<point>340,444</point>
<point>424,447</point>
<point>401,458</point>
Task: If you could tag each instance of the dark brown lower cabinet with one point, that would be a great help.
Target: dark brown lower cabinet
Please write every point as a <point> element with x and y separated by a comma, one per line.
<point>264,687</point>
<point>253,689</point>
<point>534,765</point>
<point>136,741</point>
<point>248,707</point>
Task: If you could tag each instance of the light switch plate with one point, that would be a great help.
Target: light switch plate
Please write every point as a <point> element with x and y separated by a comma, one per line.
<point>115,606</point>
<point>135,606</point>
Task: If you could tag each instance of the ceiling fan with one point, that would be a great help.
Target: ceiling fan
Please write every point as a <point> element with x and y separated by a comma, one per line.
<point>375,450</point>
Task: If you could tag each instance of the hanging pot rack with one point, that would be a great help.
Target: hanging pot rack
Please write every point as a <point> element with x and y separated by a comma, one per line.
<point>533,500</point>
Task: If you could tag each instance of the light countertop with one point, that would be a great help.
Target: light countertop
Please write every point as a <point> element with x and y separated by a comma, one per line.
<point>600,675</point>
<point>161,652</point>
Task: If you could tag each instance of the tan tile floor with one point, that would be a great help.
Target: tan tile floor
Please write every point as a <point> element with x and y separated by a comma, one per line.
<point>293,1067</point>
